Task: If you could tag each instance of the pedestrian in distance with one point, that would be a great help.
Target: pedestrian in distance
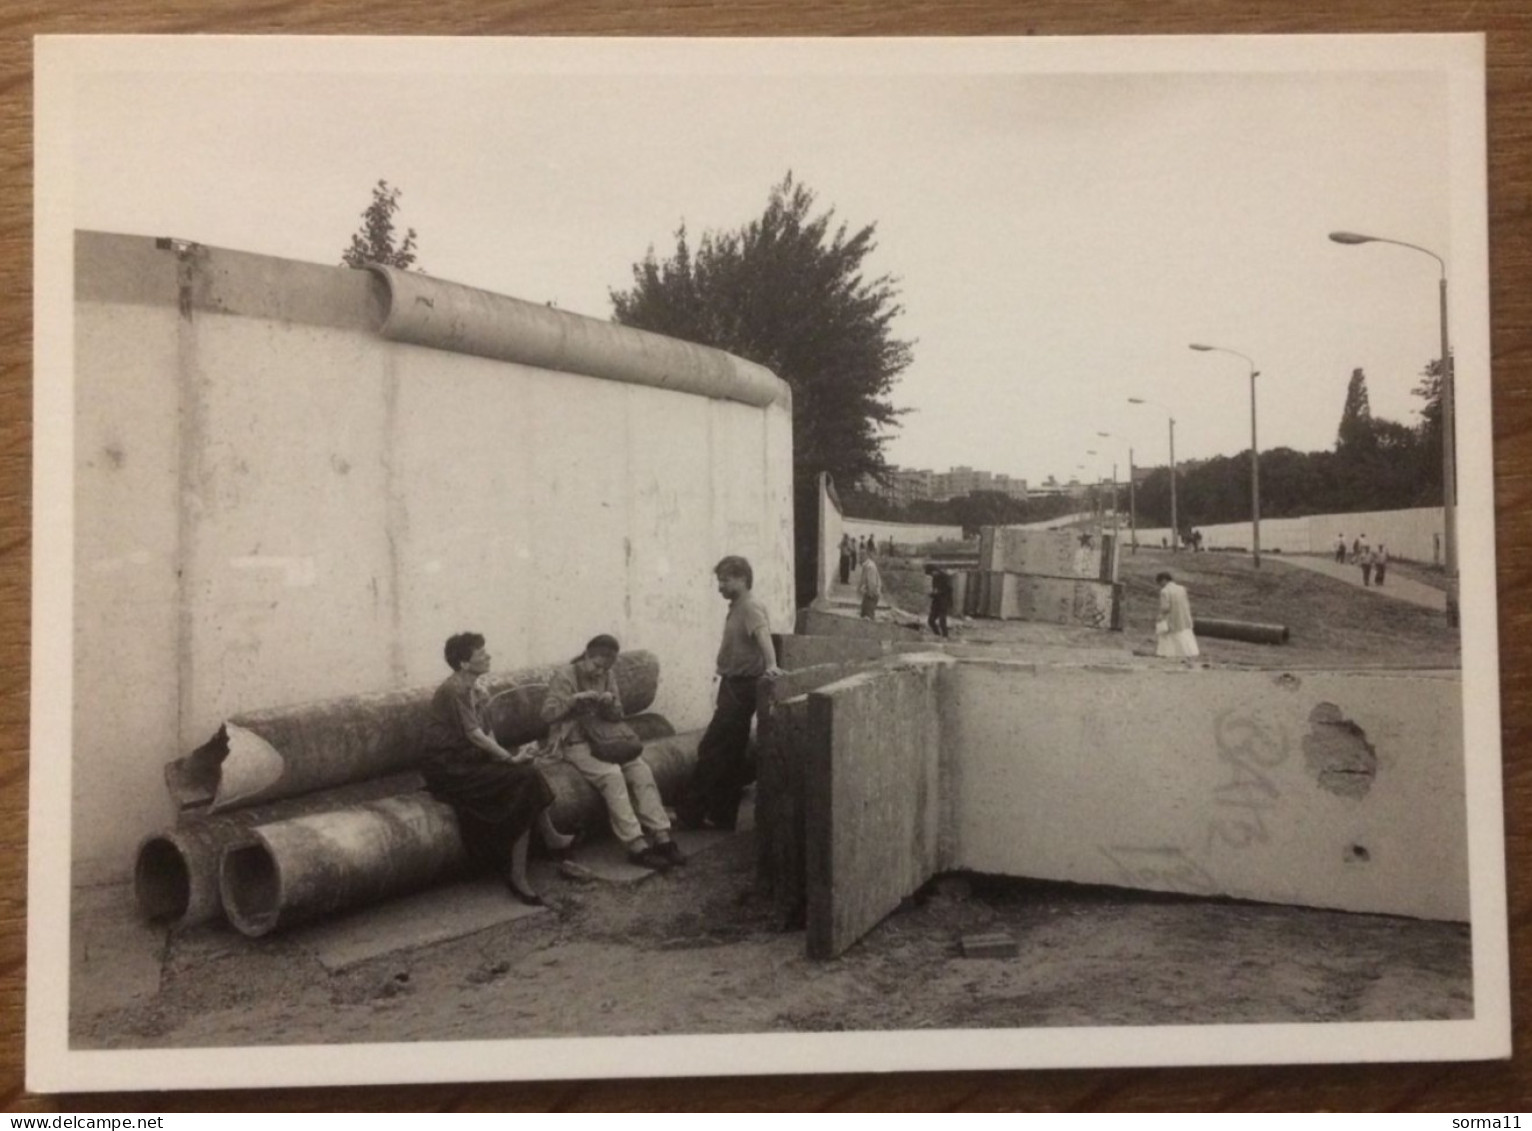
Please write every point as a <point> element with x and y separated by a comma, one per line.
<point>1379,563</point>
<point>847,558</point>
<point>1364,559</point>
<point>869,586</point>
<point>1356,549</point>
<point>941,602</point>
<point>587,690</point>
<point>746,653</point>
<point>1174,638</point>
<point>1340,549</point>
<point>498,796</point>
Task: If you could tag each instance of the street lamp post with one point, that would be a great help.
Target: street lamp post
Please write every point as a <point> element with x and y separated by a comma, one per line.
<point>1175,529</point>
<point>1449,443</point>
<point>1132,503</point>
<point>1115,522</point>
<point>1255,455</point>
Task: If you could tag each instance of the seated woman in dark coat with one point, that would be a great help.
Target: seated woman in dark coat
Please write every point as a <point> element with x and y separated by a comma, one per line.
<point>497,796</point>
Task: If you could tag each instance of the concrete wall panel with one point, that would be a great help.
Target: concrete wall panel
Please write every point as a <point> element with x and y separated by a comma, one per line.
<point>906,534</point>
<point>832,527</point>
<point>127,628</point>
<point>797,651</point>
<point>336,504</point>
<point>1321,789</point>
<point>1044,553</point>
<point>285,518</point>
<point>1059,601</point>
<point>1414,534</point>
<point>874,805</point>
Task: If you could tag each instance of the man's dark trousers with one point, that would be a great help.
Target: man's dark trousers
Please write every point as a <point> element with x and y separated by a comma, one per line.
<point>723,764</point>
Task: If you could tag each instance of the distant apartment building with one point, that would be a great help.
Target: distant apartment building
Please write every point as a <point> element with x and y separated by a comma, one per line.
<point>907,485</point>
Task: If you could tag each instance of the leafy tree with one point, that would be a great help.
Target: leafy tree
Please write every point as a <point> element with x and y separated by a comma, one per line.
<point>375,241</point>
<point>1429,431</point>
<point>1355,430</point>
<point>787,291</point>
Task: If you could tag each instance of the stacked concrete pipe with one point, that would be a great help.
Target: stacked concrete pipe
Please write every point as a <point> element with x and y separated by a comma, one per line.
<point>276,764</point>
<point>280,752</point>
<point>175,873</point>
<point>315,865</point>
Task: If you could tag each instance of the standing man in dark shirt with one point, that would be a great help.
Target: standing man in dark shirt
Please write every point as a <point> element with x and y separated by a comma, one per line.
<point>744,656</point>
<point>941,601</point>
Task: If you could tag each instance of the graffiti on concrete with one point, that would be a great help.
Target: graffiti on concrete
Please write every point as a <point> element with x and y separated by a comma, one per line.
<point>1250,748</point>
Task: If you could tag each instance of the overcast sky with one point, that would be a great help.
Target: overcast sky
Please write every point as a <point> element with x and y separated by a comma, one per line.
<point>1062,225</point>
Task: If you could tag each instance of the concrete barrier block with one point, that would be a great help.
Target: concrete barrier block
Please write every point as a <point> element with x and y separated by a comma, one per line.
<point>873,796</point>
<point>797,651</point>
<point>1042,553</point>
<point>1322,789</point>
<point>960,591</point>
<point>1054,600</point>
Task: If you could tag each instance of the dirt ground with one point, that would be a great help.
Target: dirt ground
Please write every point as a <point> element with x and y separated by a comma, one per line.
<point>693,951</point>
<point>1331,623</point>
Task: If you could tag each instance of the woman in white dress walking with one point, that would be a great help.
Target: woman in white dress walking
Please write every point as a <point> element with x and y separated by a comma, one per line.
<point>1173,632</point>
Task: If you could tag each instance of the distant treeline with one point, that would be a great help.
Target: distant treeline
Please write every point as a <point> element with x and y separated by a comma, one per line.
<point>981,508</point>
<point>1376,465</point>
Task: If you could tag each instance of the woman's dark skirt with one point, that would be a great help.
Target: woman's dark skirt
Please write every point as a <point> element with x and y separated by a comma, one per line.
<point>495,802</point>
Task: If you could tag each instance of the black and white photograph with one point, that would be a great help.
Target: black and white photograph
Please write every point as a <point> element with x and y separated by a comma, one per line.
<point>579,558</point>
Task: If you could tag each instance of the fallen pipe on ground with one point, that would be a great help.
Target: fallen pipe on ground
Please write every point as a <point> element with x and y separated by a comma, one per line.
<point>306,867</point>
<point>281,752</point>
<point>1241,630</point>
<point>175,873</point>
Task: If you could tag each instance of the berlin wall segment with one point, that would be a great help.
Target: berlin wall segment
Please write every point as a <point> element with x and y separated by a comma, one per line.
<point>1336,790</point>
<point>263,515</point>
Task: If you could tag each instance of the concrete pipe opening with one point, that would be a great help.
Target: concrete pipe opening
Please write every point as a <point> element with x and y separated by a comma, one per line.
<point>251,884</point>
<point>161,880</point>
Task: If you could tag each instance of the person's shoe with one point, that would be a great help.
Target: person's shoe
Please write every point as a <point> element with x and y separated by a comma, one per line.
<point>649,857</point>
<point>671,851</point>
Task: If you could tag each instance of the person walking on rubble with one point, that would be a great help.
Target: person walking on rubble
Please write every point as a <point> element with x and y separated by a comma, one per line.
<point>587,689</point>
<point>1174,638</point>
<point>498,796</point>
<point>941,602</point>
<point>746,653</point>
<point>869,586</point>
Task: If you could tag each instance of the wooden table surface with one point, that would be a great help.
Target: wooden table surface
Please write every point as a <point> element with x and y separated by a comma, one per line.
<point>1499,1086</point>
